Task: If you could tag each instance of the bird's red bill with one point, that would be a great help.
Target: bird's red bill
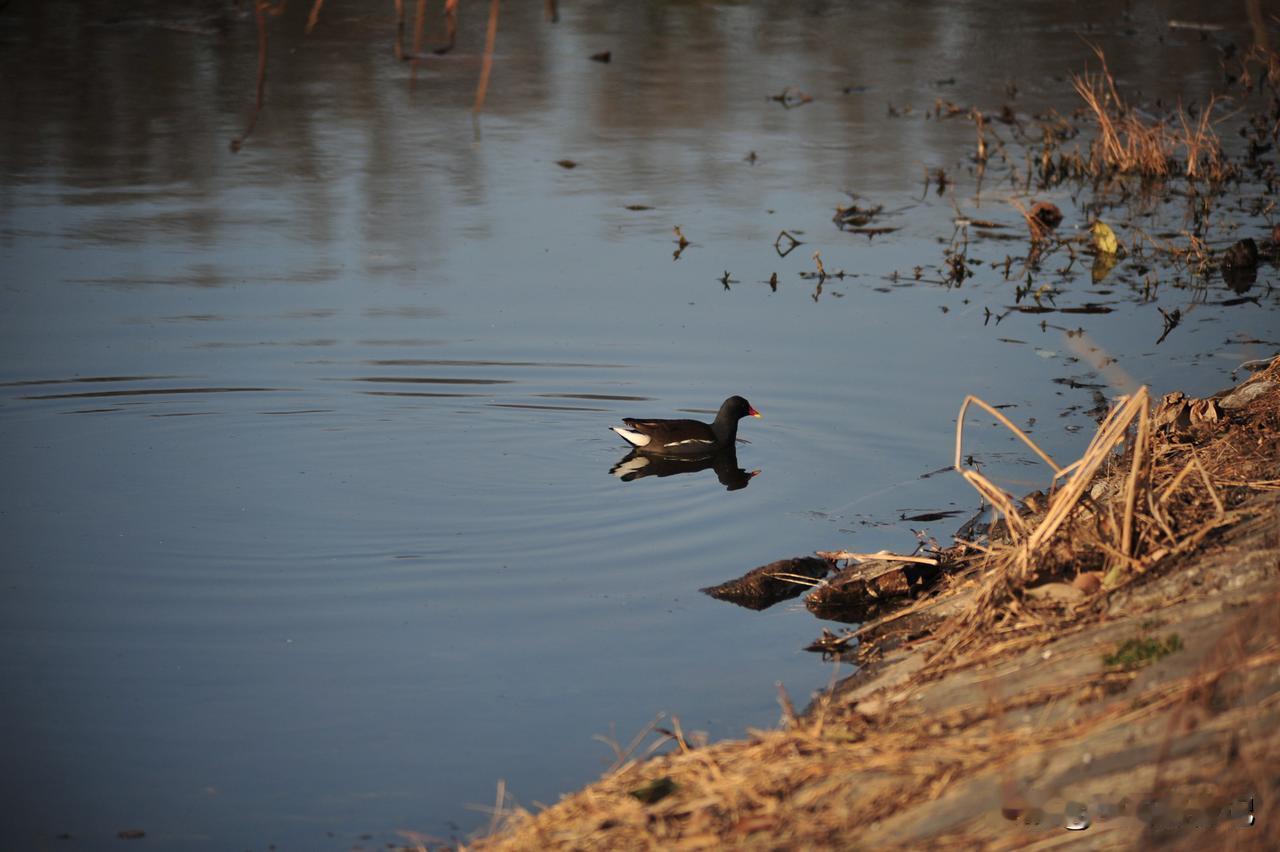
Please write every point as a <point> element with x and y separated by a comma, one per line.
<point>753,412</point>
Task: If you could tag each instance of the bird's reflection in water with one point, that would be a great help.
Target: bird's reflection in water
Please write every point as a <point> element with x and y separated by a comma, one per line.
<point>1240,279</point>
<point>637,465</point>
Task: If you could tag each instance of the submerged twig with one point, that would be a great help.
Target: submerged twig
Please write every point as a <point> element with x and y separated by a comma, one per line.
<point>261,10</point>
<point>314,17</point>
<point>491,35</point>
<point>838,555</point>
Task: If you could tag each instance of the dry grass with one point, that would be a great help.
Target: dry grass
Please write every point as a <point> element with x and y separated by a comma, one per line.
<point>1267,69</point>
<point>1129,144</point>
<point>1155,498</point>
<point>822,781</point>
<point>1013,564</point>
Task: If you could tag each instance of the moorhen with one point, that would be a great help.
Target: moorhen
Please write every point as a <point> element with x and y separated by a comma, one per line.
<point>687,437</point>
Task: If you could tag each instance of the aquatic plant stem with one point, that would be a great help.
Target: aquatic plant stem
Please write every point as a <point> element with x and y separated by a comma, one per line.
<point>490,37</point>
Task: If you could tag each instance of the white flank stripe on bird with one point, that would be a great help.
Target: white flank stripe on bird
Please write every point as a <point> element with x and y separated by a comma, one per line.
<point>635,438</point>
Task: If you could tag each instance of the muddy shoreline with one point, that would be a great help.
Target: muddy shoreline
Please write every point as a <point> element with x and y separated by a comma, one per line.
<point>1126,715</point>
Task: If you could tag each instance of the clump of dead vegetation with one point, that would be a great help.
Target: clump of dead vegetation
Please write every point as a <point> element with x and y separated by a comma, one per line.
<point>1128,143</point>
<point>1135,160</point>
<point>1140,494</point>
<point>1152,143</point>
<point>1148,488</point>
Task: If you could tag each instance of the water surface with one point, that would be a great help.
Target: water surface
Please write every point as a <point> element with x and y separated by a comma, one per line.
<point>311,535</point>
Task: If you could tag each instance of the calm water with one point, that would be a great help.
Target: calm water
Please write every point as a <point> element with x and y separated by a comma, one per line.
<point>310,534</point>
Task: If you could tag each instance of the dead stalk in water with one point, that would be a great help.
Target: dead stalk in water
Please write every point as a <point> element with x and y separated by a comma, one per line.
<point>490,37</point>
<point>314,17</point>
<point>1006,423</point>
<point>989,490</point>
<point>419,27</point>
<point>261,10</point>
<point>450,25</point>
<point>1037,228</point>
<point>499,801</point>
<point>788,709</point>
<point>838,555</point>
<point>980,123</point>
<point>798,579</point>
<point>399,29</point>
<point>622,757</point>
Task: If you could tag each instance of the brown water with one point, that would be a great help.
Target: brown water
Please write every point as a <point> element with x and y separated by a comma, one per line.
<point>310,529</point>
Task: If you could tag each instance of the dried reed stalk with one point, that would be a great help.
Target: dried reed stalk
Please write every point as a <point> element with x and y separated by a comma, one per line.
<point>450,25</point>
<point>262,9</point>
<point>836,555</point>
<point>1013,564</point>
<point>314,17</point>
<point>1129,145</point>
<point>1034,225</point>
<point>419,27</point>
<point>399,29</point>
<point>798,579</point>
<point>1136,472</point>
<point>1109,435</point>
<point>1202,144</point>
<point>989,490</point>
<point>980,122</point>
<point>490,37</point>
